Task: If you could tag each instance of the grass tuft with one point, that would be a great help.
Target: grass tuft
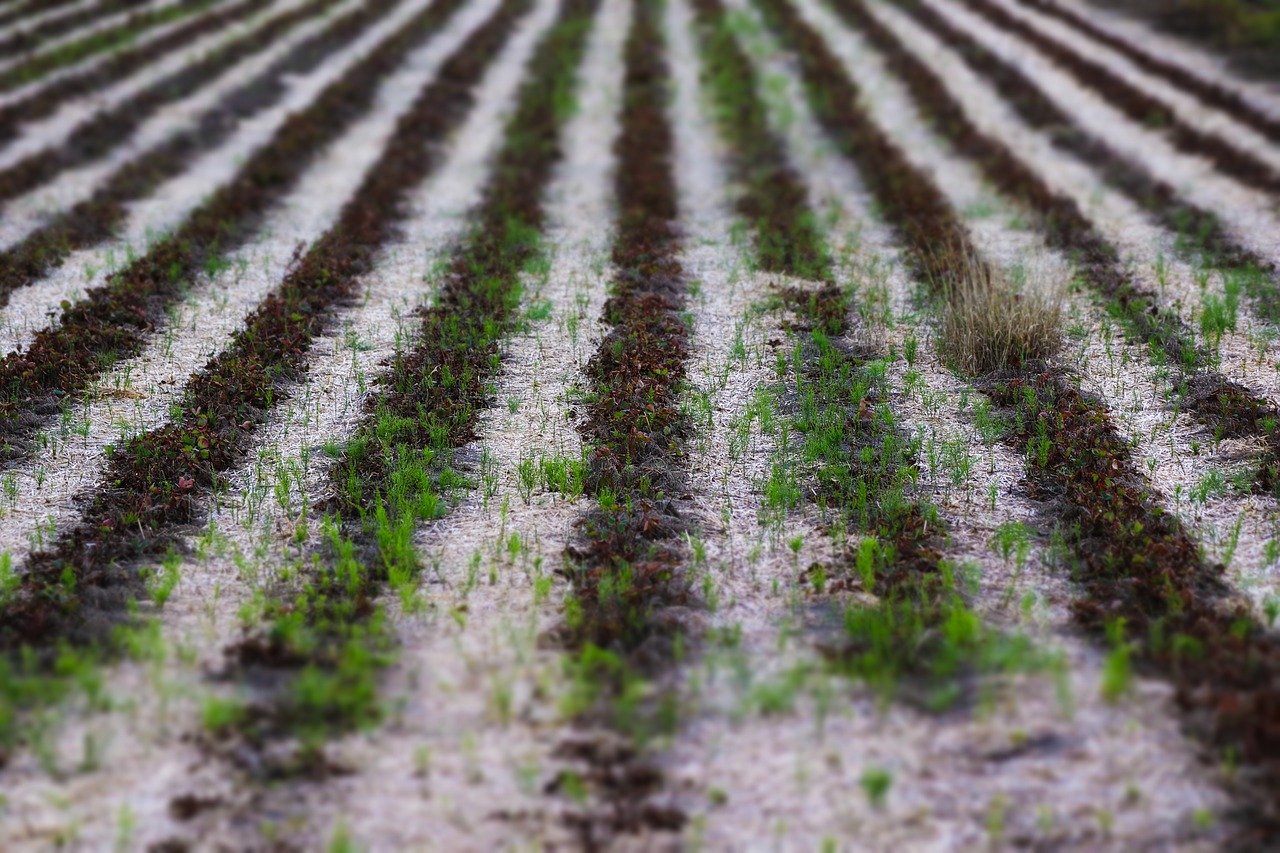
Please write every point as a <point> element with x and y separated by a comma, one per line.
<point>989,324</point>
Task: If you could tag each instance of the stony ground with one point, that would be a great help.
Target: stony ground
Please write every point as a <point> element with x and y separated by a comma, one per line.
<point>520,424</point>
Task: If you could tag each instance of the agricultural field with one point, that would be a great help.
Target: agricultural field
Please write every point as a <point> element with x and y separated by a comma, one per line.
<point>638,425</point>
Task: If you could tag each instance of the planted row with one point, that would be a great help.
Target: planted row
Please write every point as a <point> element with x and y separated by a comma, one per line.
<point>97,135</point>
<point>114,320</point>
<point>1145,585</point>
<point>1223,406</point>
<point>398,467</point>
<point>853,457</point>
<point>1141,107</point>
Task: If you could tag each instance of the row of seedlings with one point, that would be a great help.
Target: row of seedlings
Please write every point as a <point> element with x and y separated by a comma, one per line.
<point>854,459</point>
<point>114,320</point>
<point>626,565</point>
<point>1145,590</point>
<point>324,641</point>
<point>100,217</point>
<point>69,603</point>
<point>1224,407</point>
<point>77,50</point>
<point>99,134</point>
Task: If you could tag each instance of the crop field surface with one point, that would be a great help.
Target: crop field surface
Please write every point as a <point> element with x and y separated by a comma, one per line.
<point>638,425</point>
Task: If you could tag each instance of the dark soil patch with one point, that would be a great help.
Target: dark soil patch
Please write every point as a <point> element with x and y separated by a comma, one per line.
<point>1136,562</point>
<point>153,482</point>
<point>115,320</point>
<point>1216,95</point>
<point>1138,105</point>
<point>98,135</point>
<point>98,218</point>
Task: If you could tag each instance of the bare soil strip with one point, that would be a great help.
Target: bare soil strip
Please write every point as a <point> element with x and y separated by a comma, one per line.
<point>1143,578</point>
<point>1198,225</point>
<point>45,99</point>
<point>1144,108</point>
<point>487,591</point>
<point>101,41</point>
<point>626,563</point>
<point>96,136</point>
<point>1224,407</point>
<point>33,38</point>
<point>396,471</point>
<point>105,213</point>
<point>37,9</point>
<point>1211,92</point>
<point>112,321</point>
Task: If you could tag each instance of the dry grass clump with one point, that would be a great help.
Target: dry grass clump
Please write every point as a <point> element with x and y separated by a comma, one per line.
<point>991,322</point>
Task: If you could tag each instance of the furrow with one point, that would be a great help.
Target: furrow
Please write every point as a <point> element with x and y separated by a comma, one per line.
<point>258,517</point>
<point>153,190</point>
<point>383,485</point>
<point>1253,166</point>
<point>774,203</point>
<point>1136,562</point>
<point>138,395</point>
<point>1197,227</point>
<point>24,105</point>
<point>625,561</point>
<point>733,367</point>
<point>1222,406</point>
<point>114,320</point>
<point>504,686</point>
<point>104,38</point>
<point>1223,95</point>
<point>41,35</point>
<point>23,169</point>
<point>35,12</point>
